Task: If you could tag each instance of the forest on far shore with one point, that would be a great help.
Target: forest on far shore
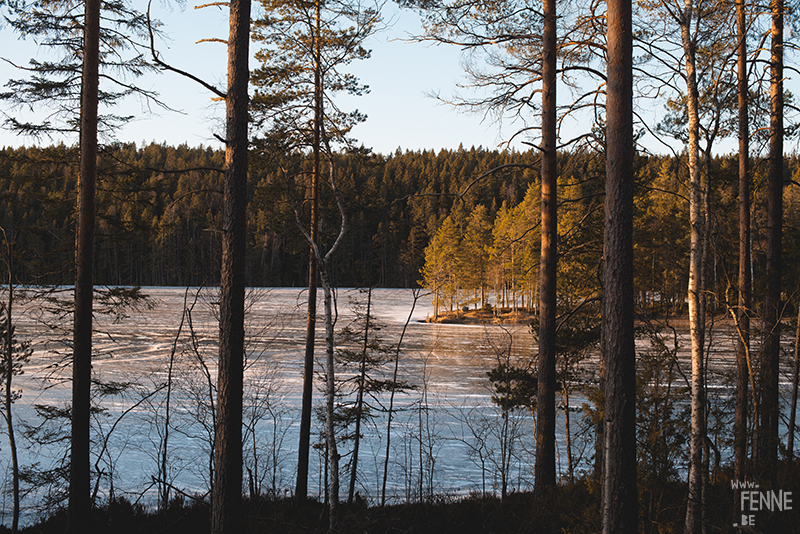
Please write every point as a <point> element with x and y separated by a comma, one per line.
<point>471,214</point>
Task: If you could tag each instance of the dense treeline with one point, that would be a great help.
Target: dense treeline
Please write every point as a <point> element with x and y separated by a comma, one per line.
<point>484,251</point>
<point>159,219</point>
<point>159,212</point>
<point>153,227</point>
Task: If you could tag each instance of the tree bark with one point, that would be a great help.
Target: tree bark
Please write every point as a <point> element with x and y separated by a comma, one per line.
<point>330,431</point>
<point>620,498</point>
<point>694,522</point>
<point>79,499</point>
<point>227,495</point>
<point>768,429</point>
<point>301,489</point>
<point>545,470</point>
<point>744,302</point>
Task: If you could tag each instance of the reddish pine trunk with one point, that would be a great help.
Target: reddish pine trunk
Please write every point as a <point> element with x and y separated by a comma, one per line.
<point>545,471</point>
<point>768,430</point>
<point>620,499</point>
<point>227,495</point>
<point>743,319</point>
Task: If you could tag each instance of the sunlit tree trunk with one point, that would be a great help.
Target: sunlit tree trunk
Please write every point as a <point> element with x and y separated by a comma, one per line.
<point>620,498</point>
<point>768,429</point>
<point>227,495</point>
<point>79,498</point>
<point>545,472</point>
<point>695,290</point>
<point>743,317</point>
<point>330,362</point>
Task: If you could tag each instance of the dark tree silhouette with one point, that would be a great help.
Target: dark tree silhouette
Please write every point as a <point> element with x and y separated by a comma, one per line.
<point>79,483</point>
<point>742,317</point>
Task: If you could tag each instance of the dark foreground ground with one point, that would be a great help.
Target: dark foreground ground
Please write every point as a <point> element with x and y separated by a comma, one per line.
<point>568,509</point>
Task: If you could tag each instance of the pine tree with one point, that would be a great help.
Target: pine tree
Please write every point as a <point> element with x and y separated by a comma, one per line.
<point>744,293</point>
<point>55,84</point>
<point>79,498</point>
<point>545,469</point>
<point>440,273</point>
<point>474,253</point>
<point>305,47</point>
<point>768,438</point>
<point>88,44</point>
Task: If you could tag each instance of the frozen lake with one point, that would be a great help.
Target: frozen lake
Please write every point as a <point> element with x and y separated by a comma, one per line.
<point>444,437</point>
<point>447,436</point>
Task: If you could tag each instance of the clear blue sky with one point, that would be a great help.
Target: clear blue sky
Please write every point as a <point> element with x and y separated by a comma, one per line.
<point>399,75</point>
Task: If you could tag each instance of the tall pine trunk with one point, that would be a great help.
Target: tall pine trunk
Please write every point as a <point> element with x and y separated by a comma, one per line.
<point>301,492</point>
<point>545,471</point>
<point>332,464</point>
<point>620,496</point>
<point>227,494</point>
<point>743,305</point>
<point>79,499</point>
<point>768,429</point>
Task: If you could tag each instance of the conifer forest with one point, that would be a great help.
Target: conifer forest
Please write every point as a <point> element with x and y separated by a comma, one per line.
<point>592,327</point>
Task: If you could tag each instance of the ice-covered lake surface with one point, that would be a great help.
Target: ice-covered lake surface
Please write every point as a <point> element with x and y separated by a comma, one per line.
<point>446,437</point>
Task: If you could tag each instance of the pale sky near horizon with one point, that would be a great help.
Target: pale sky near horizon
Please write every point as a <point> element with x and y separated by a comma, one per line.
<point>401,75</point>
